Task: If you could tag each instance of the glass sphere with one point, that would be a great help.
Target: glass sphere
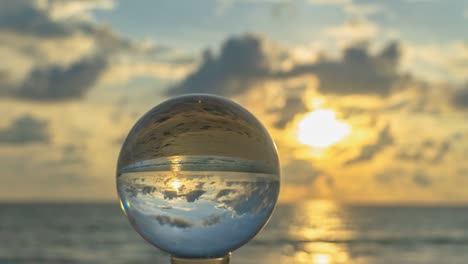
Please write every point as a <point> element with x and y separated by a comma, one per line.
<point>198,176</point>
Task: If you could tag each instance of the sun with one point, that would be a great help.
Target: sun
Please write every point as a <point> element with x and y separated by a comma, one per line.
<point>321,129</point>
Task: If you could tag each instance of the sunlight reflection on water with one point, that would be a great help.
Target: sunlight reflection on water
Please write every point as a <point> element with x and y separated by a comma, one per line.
<point>315,221</point>
<point>311,231</point>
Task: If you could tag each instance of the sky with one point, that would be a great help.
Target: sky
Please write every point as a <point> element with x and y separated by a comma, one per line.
<point>367,101</point>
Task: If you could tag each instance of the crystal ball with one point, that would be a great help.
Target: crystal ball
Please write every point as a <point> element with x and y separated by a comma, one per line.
<point>198,176</point>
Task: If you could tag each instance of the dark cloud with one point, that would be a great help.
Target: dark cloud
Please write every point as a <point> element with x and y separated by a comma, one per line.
<point>173,221</point>
<point>293,106</point>
<point>415,151</point>
<point>225,192</point>
<point>213,220</point>
<point>242,63</point>
<point>389,175</point>
<point>4,85</point>
<point>443,149</point>
<point>410,155</point>
<point>358,72</point>
<point>72,155</point>
<point>428,150</point>
<point>460,98</point>
<point>194,195</point>
<point>300,171</point>
<point>421,179</point>
<point>368,152</point>
<point>25,129</point>
<point>51,23</point>
<point>169,194</point>
<point>27,17</point>
<point>56,83</point>
<point>396,106</point>
<point>428,143</point>
<point>190,197</point>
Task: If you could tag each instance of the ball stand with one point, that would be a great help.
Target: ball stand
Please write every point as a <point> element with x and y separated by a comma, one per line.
<point>222,260</point>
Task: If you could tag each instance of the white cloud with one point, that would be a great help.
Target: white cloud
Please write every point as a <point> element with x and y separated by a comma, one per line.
<point>330,2</point>
<point>436,62</point>
<point>349,7</point>
<point>122,72</point>
<point>42,52</point>
<point>421,1</point>
<point>59,9</point>
<point>357,27</point>
<point>223,5</point>
<point>353,31</point>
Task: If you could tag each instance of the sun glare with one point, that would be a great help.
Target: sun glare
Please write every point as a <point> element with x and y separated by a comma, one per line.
<point>322,259</point>
<point>321,129</point>
<point>176,184</point>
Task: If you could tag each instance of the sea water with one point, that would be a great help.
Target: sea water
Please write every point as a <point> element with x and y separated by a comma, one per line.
<point>303,232</point>
<point>198,206</point>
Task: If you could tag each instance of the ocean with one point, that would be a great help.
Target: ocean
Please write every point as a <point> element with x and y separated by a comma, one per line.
<point>317,232</point>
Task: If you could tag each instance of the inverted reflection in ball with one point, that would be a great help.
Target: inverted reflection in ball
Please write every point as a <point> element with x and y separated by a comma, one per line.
<point>198,176</point>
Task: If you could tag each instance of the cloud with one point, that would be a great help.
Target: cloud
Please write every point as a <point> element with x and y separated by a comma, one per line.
<point>300,171</point>
<point>358,72</point>
<point>247,61</point>
<point>190,197</point>
<point>173,221</point>
<point>357,26</point>
<point>242,63</point>
<point>213,220</point>
<point>55,51</point>
<point>368,152</point>
<point>387,176</point>
<point>194,195</point>
<point>428,150</point>
<point>222,6</point>
<point>330,2</point>
<point>53,63</point>
<point>56,83</point>
<point>352,31</point>
<point>410,155</point>
<point>59,9</point>
<point>292,106</point>
<point>73,154</point>
<point>170,194</point>
<point>460,98</point>
<point>47,18</point>
<point>123,72</point>
<point>225,192</point>
<point>421,179</point>
<point>351,8</point>
<point>437,62</point>
<point>443,149</point>
<point>30,18</point>
<point>396,175</point>
<point>25,129</point>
